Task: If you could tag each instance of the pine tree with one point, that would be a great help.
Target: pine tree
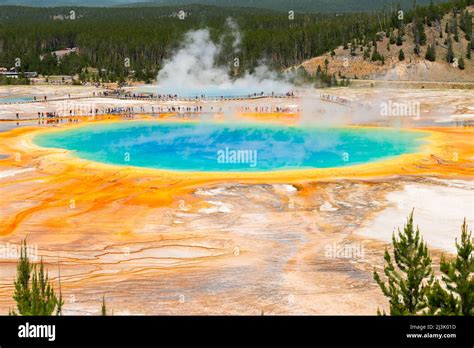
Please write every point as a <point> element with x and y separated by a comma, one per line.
<point>455,29</point>
<point>461,63</point>
<point>457,297</point>
<point>22,295</point>
<point>468,50</point>
<point>104,308</point>
<point>399,39</point>
<point>318,71</point>
<point>416,50</point>
<point>430,53</point>
<point>366,54</point>
<point>419,32</point>
<point>401,55</point>
<point>450,53</point>
<point>440,302</point>
<point>409,273</point>
<point>35,297</point>
<point>459,273</point>
<point>376,55</point>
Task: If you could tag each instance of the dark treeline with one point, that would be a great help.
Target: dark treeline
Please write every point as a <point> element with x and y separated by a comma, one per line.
<point>147,36</point>
<point>320,6</point>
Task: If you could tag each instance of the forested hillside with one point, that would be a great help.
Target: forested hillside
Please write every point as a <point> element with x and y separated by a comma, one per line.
<point>105,37</point>
<point>438,49</point>
<point>322,6</point>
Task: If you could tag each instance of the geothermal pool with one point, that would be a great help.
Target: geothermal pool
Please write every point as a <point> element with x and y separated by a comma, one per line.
<point>5,100</point>
<point>225,147</point>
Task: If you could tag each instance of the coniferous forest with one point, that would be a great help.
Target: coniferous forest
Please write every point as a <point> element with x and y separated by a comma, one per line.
<point>149,35</point>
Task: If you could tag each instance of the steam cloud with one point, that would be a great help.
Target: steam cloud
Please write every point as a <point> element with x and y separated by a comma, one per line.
<point>194,71</point>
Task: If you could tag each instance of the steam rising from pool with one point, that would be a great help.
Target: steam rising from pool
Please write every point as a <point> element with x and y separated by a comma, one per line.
<point>193,70</point>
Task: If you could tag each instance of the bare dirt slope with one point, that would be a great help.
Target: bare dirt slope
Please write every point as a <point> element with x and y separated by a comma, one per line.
<point>413,68</point>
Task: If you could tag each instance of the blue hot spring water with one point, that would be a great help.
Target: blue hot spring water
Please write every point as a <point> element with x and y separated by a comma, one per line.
<point>228,147</point>
<point>10,100</point>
